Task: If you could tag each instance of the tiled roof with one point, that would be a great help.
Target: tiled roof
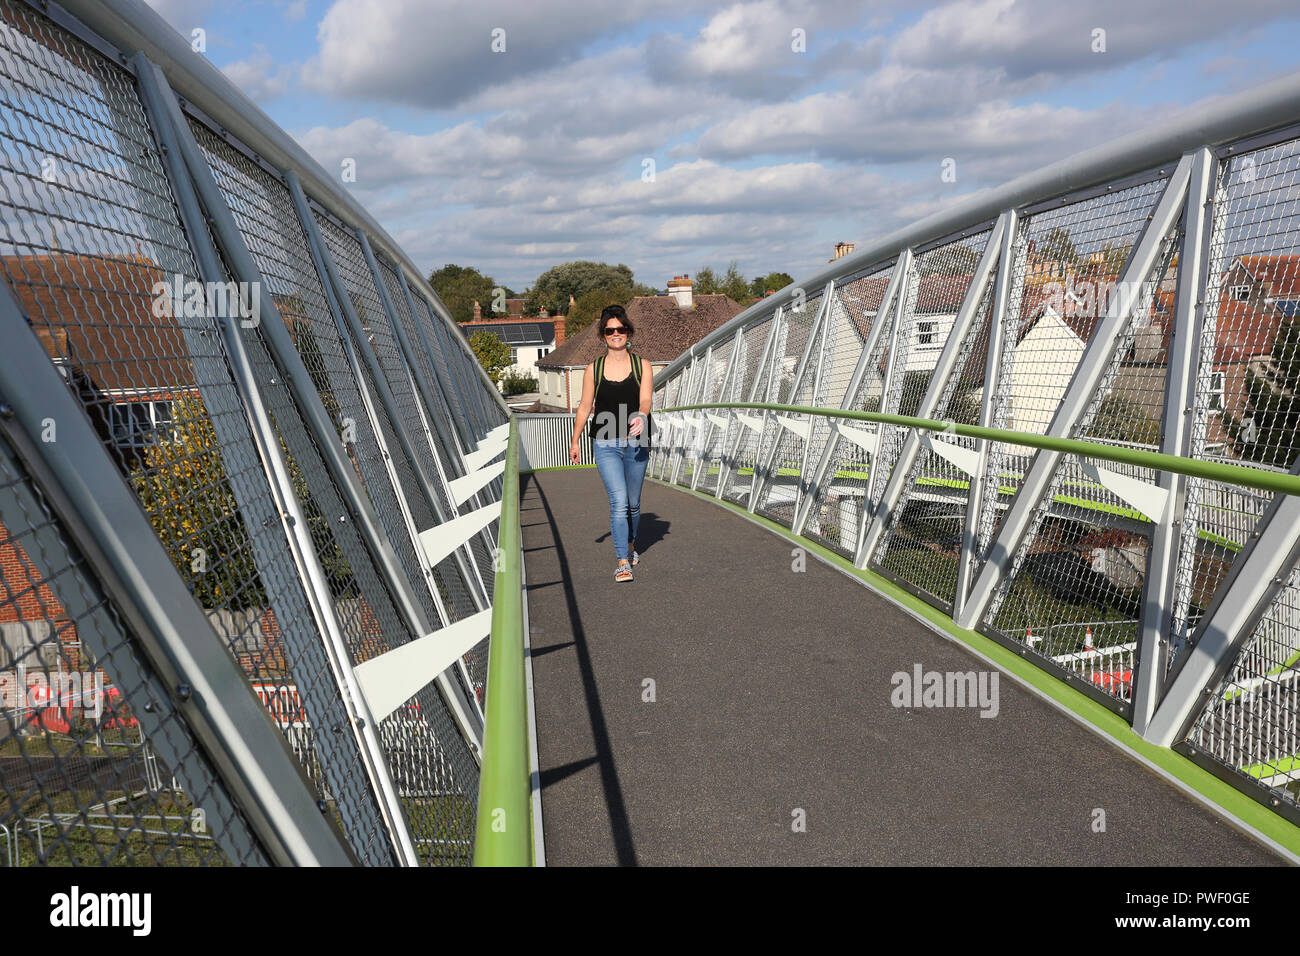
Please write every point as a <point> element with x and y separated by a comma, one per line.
<point>1280,273</point>
<point>664,330</point>
<point>102,310</point>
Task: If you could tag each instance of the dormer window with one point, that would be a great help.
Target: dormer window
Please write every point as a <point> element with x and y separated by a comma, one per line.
<point>1240,293</point>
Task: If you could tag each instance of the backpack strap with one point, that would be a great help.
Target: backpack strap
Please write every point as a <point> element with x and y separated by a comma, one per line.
<point>598,370</point>
<point>636,368</point>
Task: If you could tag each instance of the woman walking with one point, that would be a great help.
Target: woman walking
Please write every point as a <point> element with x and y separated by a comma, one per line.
<point>617,391</point>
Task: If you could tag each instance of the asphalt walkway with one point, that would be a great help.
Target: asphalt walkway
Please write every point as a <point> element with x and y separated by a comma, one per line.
<point>724,708</point>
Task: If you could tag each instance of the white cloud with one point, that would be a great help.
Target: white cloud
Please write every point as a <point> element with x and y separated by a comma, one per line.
<point>260,76</point>
<point>439,57</point>
<point>767,49</point>
<point>295,11</point>
<point>1056,36</point>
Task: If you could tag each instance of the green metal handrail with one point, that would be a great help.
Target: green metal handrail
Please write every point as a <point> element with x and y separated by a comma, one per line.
<point>504,828</point>
<point>1281,482</point>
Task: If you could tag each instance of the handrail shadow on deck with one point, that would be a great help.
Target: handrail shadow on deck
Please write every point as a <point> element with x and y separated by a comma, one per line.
<point>620,828</point>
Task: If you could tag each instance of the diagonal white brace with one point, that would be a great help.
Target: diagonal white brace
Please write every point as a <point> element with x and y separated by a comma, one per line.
<point>464,487</point>
<point>500,433</point>
<point>965,459</point>
<point>719,420</point>
<point>802,429</point>
<point>864,438</point>
<point>441,540</point>
<point>392,678</point>
<point>752,422</point>
<point>487,450</point>
<point>1147,498</point>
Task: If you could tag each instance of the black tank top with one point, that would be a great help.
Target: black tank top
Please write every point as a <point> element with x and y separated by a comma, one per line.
<point>616,403</point>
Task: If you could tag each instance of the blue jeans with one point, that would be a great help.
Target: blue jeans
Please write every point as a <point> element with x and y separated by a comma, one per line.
<point>622,468</point>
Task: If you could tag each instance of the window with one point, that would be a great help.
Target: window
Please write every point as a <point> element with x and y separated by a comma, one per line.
<point>925,334</point>
<point>1240,293</point>
<point>1216,391</point>
<point>140,424</point>
<point>514,355</point>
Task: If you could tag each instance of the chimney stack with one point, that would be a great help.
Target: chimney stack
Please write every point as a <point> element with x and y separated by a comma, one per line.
<point>842,249</point>
<point>679,287</point>
<point>559,332</point>
<point>478,311</point>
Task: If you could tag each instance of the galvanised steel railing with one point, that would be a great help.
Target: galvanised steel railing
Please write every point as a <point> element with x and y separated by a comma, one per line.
<point>1142,298</point>
<point>247,499</point>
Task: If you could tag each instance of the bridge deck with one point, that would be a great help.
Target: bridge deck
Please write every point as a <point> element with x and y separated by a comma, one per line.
<point>772,694</point>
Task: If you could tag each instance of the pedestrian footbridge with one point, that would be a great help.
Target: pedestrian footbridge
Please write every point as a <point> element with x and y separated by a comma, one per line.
<point>978,546</point>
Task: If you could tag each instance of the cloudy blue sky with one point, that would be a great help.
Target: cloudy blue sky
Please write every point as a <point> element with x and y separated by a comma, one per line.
<point>516,160</point>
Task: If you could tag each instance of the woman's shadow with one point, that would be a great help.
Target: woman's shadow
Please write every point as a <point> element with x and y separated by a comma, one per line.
<point>649,532</point>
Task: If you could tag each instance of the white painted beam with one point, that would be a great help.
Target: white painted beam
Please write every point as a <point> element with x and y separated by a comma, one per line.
<point>441,540</point>
<point>392,678</point>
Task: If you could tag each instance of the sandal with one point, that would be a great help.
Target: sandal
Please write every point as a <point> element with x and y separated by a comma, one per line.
<point>635,557</point>
<point>623,572</point>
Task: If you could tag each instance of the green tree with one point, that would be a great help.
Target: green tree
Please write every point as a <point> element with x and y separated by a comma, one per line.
<point>181,482</point>
<point>460,287</point>
<point>1269,428</point>
<point>705,283</point>
<point>776,281</point>
<point>1113,258</point>
<point>492,354</point>
<point>588,306</point>
<point>733,284</point>
<point>553,287</point>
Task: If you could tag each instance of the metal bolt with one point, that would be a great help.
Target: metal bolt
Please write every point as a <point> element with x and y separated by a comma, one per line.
<point>150,707</point>
<point>6,410</point>
<point>1191,750</point>
<point>290,520</point>
<point>361,723</point>
<point>270,520</point>
<point>272,382</point>
<point>184,692</point>
<point>343,519</point>
<point>337,729</point>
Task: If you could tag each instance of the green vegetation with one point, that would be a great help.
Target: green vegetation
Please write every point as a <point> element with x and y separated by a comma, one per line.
<point>1269,428</point>
<point>731,283</point>
<point>517,384</point>
<point>588,306</point>
<point>460,287</point>
<point>492,353</point>
<point>182,484</point>
<point>1122,419</point>
<point>772,282</point>
<point>553,287</point>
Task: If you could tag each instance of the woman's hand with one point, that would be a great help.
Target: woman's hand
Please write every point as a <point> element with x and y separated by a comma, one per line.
<point>635,426</point>
<point>575,452</point>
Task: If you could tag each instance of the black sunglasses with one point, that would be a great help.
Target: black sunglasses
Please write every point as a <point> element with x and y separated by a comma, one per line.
<point>613,330</point>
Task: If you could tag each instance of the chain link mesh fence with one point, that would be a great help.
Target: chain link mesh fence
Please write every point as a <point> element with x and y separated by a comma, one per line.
<point>94,765</point>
